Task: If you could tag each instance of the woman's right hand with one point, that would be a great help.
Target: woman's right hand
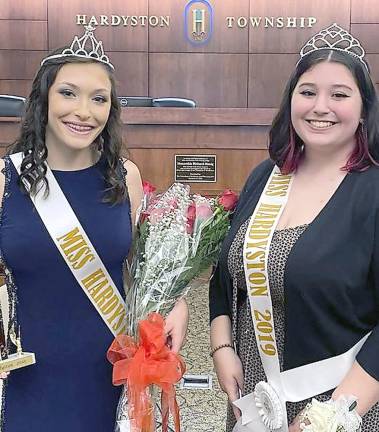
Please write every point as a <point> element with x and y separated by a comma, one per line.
<point>229,372</point>
<point>4,375</point>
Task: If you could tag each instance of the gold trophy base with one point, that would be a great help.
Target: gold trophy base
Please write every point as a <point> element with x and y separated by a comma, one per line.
<point>17,361</point>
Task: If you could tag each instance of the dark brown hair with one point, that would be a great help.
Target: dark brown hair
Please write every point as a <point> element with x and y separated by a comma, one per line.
<point>31,140</point>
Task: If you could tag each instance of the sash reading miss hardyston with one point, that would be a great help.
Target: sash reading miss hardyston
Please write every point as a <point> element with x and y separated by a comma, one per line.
<point>78,252</point>
<point>265,409</point>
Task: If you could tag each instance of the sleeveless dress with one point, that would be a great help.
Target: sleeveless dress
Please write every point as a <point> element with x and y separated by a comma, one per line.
<point>70,387</point>
<point>243,330</point>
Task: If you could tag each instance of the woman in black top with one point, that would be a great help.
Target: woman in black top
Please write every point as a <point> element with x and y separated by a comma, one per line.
<point>323,264</point>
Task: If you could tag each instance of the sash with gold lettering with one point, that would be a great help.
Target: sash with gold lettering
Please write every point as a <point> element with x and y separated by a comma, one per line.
<point>265,409</point>
<point>78,252</point>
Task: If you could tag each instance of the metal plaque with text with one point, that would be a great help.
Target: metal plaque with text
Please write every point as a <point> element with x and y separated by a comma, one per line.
<point>195,168</point>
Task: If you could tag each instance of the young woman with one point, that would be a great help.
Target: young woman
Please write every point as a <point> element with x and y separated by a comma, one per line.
<point>323,255</point>
<point>72,125</point>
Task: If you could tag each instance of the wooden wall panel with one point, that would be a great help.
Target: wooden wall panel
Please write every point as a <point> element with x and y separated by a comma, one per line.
<point>15,87</point>
<point>368,35</point>
<point>194,136</point>
<point>131,73</point>
<point>373,61</point>
<point>23,9</point>
<point>223,40</point>
<point>364,11</point>
<point>153,148</point>
<point>19,64</point>
<point>157,166</point>
<point>62,23</point>
<point>199,116</point>
<point>23,35</point>
<point>290,40</point>
<point>212,80</point>
<point>268,75</point>
<point>220,74</point>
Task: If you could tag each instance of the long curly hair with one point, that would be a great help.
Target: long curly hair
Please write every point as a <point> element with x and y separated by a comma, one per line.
<point>31,141</point>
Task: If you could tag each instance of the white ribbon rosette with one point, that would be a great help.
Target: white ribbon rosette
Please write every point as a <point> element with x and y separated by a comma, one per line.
<point>269,406</point>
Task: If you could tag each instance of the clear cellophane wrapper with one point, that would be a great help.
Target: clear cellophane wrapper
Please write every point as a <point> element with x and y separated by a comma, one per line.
<point>178,237</point>
<point>123,423</point>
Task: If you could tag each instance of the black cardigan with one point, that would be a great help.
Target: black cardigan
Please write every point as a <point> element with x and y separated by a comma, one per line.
<point>331,281</point>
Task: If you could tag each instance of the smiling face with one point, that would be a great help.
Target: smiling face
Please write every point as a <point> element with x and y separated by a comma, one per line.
<point>79,106</point>
<point>326,107</point>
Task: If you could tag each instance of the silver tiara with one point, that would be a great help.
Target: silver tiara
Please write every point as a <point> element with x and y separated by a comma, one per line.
<point>335,38</point>
<point>86,47</point>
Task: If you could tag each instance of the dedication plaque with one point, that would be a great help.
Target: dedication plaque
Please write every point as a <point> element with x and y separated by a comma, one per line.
<point>195,168</point>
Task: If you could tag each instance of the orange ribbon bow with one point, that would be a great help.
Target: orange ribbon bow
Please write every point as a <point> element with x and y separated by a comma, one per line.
<point>140,365</point>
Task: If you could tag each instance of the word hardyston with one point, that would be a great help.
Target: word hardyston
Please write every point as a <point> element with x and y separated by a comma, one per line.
<point>124,20</point>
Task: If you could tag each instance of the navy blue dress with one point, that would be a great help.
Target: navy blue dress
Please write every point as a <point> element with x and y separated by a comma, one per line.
<point>70,387</point>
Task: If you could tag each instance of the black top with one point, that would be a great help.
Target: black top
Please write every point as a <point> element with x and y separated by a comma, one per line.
<point>331,282</point>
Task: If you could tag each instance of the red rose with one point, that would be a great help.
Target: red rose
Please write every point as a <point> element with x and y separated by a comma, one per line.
<point>191,217</point>
<point>144,215</point>
<point>148,188</point>
<point>228,200</point>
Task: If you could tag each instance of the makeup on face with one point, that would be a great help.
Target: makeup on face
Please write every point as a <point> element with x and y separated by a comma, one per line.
<point>79,106</point>
<point>326,106</point>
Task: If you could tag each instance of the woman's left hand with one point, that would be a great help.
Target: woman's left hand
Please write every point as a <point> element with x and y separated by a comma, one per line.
<point>176,325</point>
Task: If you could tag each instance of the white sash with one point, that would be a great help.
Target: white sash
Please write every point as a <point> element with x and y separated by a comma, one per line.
<point>265,408</point>
<point>78,252</point>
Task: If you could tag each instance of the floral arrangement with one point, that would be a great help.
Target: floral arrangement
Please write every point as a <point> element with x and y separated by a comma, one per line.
<point>331,416</point>
<point>179,236</point>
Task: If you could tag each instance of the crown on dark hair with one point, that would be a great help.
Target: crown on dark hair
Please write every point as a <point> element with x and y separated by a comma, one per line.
<point>335,38</point>
<point>85,47</point>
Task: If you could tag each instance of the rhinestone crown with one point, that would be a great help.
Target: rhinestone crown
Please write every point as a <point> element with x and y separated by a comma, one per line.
<point>335,38</point>
<point>86,47</point>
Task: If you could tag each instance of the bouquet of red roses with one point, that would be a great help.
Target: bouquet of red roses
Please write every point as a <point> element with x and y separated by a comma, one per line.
<point>179,236</point>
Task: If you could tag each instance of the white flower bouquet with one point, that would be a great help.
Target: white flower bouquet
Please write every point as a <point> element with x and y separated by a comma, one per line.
<point>179,236</point>
<point>331,416</point>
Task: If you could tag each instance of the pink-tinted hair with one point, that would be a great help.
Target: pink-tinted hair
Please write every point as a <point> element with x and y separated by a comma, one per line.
<point>291,154</point>
<point>359,160</point>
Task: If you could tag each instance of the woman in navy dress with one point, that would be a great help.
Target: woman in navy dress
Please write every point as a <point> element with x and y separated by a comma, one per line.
<point>72,123</point>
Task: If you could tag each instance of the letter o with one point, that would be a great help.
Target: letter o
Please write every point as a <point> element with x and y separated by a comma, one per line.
<point>153,21</point>
<point>242,22</point>
<point>257,278</point>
